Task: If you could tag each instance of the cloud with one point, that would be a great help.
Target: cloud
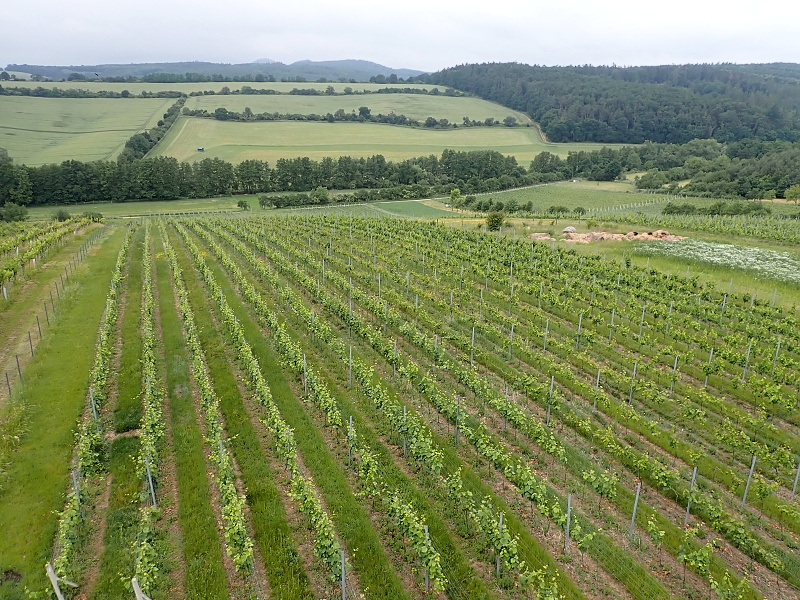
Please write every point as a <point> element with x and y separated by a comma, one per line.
<point>414,34</point>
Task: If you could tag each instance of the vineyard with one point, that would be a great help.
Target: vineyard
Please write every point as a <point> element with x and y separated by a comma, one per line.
<point>330,406</point>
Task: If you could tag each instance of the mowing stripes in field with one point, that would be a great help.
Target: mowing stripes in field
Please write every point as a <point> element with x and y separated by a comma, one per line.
<point>376,576</point>
<point>237,540</point>
<point>121,515</point>
<point>295,304</point>
<point>127,410</point>
<point>55,393</point>
<point>285,573</point>
<point>151,546</point>
<point>200,543</point>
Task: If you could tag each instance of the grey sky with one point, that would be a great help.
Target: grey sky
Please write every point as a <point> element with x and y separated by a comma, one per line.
<point>413,34</point>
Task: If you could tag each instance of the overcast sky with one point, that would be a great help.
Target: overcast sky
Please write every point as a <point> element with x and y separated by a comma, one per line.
<point>415,34</point>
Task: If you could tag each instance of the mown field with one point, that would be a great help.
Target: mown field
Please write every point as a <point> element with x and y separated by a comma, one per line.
<point>413,106</point>
<point>38,131</point>
<point>283,87</point>
<point>474,414</point>
<point>606,200</point>
<point>609,199</point>
<point>235,142</point>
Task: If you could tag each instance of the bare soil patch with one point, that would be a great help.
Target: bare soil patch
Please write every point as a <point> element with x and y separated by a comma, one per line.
<point>598,236</point>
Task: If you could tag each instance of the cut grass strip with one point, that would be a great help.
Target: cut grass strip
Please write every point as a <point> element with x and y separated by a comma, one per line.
<point>285,572</point>
<point>53,396</point>
<point>26,298</point>
<point>122,522</point>
<point>128,407</point>
<point>462,579</point>
<point>122,514</point>
<point>375,572</point>
<point>201,545</point>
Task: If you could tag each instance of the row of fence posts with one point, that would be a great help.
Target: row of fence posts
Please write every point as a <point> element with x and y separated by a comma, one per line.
<point>49,313</point>
<point>141,596</point>
<point>49,309</point>
<point>632,527</point>
<point>55,581</point>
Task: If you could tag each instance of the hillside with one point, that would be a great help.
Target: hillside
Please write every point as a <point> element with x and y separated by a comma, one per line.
<point>333,70</point>
<point>673,103</point>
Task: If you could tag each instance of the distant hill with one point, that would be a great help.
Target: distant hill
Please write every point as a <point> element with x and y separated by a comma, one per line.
<point>668,103</point>
<point>332,70</point>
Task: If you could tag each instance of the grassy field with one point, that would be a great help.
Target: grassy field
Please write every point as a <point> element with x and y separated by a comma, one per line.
<point>414,106</point>
<point>38,131</point>
<point>606,198</point>
<point>603,200</point>
<point>136,209</point>
<point>215,86</point>
<point>414,209</point>
<point>270,141</point>
<point>418,209</point>
<point>52,399</point>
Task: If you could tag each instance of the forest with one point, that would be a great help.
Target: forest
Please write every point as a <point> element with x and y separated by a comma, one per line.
<point>610,104</point>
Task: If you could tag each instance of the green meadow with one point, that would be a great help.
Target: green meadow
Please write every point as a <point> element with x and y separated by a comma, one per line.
<point>271,140</point>
<point>607,198</point>
<point>283,87</point>
<point>413,106</point>
<point>38,131</point>
<point>418,209</point>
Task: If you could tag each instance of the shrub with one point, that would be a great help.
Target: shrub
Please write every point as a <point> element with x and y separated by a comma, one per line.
<point>94,217</point>
<point>494,220</point>
<point>62,214</point>
<point>13,212</point>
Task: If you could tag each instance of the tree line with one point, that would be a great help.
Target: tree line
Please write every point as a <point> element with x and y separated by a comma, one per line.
<point>750,169</point>
<point>164,178</point>
<point>55,92</point>
<point>198,72</point>
<point>718,208</point>
<point>668,104</point>
<point>364,115</point>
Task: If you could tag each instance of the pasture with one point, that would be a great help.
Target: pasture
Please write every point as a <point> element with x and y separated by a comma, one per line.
<point>283,87</point>
<point>38,131</point>
<point>269,141</point>
<point>607,199</point>
<point>413,106</point>
<point>414,209</point>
